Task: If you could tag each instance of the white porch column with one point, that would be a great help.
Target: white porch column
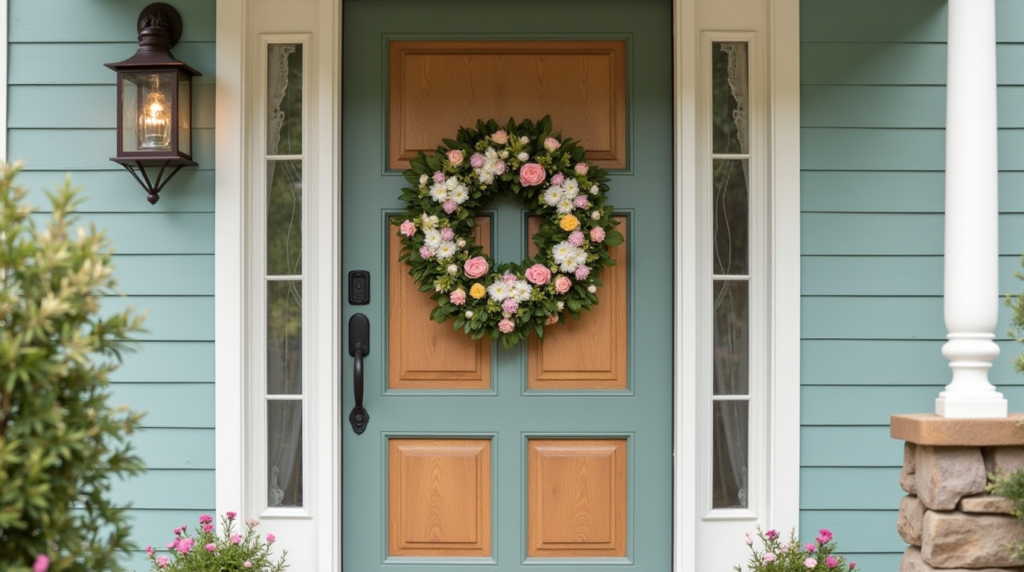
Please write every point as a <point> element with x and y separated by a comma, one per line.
<point>971,240</point>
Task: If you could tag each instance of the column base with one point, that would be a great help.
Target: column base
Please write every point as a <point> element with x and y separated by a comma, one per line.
<point>991,406</point>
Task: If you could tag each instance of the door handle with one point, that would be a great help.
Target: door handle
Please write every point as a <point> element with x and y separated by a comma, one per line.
<point>358,347</point>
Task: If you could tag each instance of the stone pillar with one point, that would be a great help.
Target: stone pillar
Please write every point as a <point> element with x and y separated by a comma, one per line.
<point>971,219</point>
<point>947,519</point>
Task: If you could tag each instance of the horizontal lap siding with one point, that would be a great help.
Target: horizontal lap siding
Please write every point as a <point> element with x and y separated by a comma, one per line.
<point>873,102</point>
<point>61,122</point>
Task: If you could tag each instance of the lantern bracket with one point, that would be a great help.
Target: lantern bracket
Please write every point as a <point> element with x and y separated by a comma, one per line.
<point>161,16</point>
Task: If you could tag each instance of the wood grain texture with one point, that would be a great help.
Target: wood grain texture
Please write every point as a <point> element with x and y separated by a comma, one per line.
<point>581,84</point>
<point>439,497</point>
<point>424,354</point>
<point>576,498</point>
<point>592,352</point>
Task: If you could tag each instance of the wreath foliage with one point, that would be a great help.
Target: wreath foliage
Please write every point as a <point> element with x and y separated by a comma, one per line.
<point>548,175</point>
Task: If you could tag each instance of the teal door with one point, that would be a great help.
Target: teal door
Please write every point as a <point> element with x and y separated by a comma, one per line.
<point>548,456</point>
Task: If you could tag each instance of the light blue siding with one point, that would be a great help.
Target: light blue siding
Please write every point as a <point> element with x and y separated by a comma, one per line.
<point>61,121</point>
<point>873,152</point>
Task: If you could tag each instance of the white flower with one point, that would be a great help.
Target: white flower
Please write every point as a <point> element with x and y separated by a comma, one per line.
<point>427,221</point>
<point>437,287</point>
<point>524,139</point>
<point>451,184</point>
<point>552,195</point>
<point>581,257</point>
<point>594,190</point>
<point>459,194</point>
<point>424,178</point>
<point>498,291</point>
<point>490,154</point>
<point>596,215</point>
<point>446,250</point>
<point>572,188</point>
<point>523,156</point>
<point>561,305</point>
<point>565,206</point>
<point>438,193</point>
<point>592,289</point>
<point>461,243</point>
<point>433,238</point>
<point>503,154</point>
<point>453,269</point>
<point>469,314</point>
<point>562,252</point>
<point>485,177</point>
<point>521,291</point>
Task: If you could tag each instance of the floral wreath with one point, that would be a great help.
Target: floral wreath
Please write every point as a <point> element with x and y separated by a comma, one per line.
<point>547,174</point>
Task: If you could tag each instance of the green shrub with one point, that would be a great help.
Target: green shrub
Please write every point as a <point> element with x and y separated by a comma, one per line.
<point>61,445</point>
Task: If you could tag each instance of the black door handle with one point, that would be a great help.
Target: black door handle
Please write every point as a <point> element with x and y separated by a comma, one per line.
<point>358,347</point>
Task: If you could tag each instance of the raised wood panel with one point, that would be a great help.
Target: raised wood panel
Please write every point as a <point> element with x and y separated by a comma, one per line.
<point>581,84</point>
<point>422,353</point>
<point>439,497</point>
<point>590,353</point>
<point>576,498</point>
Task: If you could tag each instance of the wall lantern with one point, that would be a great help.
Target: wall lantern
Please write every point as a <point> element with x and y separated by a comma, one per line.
<point>154,103</point>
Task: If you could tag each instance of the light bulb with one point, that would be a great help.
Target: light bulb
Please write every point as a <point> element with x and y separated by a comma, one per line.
<point>155,121</point>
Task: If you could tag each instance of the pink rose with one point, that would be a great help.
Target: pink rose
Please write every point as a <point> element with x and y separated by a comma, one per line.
<point>557,179</point>
<point>506,326</point>
<point>475,267</point>
<point>538,274</point>
<point>551,144</point>
<point>499,137</point>
<point>532,174</point>
<point>582,168</point>
<point>562,284</point>
<point>458,297</point>
<point>582,272</point>
<point>552,319</point>
<point>597,234</point>
<point>477,160</point>
<point>455,157</point>
<point>576,238</point>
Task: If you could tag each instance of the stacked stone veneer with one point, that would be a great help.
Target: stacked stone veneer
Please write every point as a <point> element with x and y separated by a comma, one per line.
<point>946,517</point>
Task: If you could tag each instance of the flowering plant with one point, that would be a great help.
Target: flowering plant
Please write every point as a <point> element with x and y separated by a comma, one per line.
<point>548,175</point>
<point>208,551</point>
<point>790,556</point>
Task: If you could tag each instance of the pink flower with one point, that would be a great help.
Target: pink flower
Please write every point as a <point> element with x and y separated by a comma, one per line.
<point>499,137</point>
<point>824,535</point>
<point>247,564</point>
<point>552,319</point>
<point>42,563</point>
<point>236,538</point>
<point>185,545</point>
<point>551,144</point>
<point>252,522</point>
<point>749,540</point>
<point>449,206</point>
<point>475,267</point>
<point>576,238</point>
<point>597,234</point>
<point>810,547</point>
<point>149,551</point>
<point>477,160</point>
<point>853,565</point>
<point>771,534</point>
<point>438,177</point>
<point>510,306</point>
<point>831,562</point>
<point>207,528</point>
<point>426,253</point>
<point>455,157</point>
<point>161,561</point>
<point>408,228</point>
<point>458,297</point>
<point>582,168</point>
<point>205,519</point>
<point>509,279</point>
<point>271,538</point>
<point>810,562</point>
<point>179,530</point>
<point>172,545</point>
<point>562,284</point>
<point>582,272</point>
<point>581,202</point>
<point>532,174</point>
<point>211,547</point>
<point>538,274</point>
<point>557,179</point>
<point>506,326</point>
<point>769,557</point>
<point>499,167</point>
<point>231,514</point>
<point>447,234</point>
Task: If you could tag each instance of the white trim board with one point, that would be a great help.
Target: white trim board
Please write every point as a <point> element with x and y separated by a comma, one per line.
<point>780,26</point>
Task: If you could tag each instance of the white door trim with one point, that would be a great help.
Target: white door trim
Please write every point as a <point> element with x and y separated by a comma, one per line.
<point>234,483</point>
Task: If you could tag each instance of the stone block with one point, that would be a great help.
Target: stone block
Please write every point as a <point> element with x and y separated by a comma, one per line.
<point>910,519</point>
<point>1003,459</point>
<point>985,504</point>
<point>957,540</point>
<point>908,479</point>
<point>945,474</point>
<point>912,562</point>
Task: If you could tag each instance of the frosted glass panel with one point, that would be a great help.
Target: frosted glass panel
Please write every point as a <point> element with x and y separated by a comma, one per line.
<point>729,97</point>
<point>284,99</point>
<point>731,338</point>
<point>284,218</point>
<point>732,226</point>
<point>284,453</point>
<point>284,337</point>
<point>730,454</point>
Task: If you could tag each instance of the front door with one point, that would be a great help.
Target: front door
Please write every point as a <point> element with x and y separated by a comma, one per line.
<point>550,455</point>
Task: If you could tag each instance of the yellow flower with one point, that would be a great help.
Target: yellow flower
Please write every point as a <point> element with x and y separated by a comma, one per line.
<point>569,223</point>
<point>478,291</point>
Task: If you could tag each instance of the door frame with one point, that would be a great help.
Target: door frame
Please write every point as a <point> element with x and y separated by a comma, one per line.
<point>779,443</point>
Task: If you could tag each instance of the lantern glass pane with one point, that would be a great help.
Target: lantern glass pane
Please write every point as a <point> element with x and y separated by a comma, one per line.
<point>146,117</point>
<point>185,114</point>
